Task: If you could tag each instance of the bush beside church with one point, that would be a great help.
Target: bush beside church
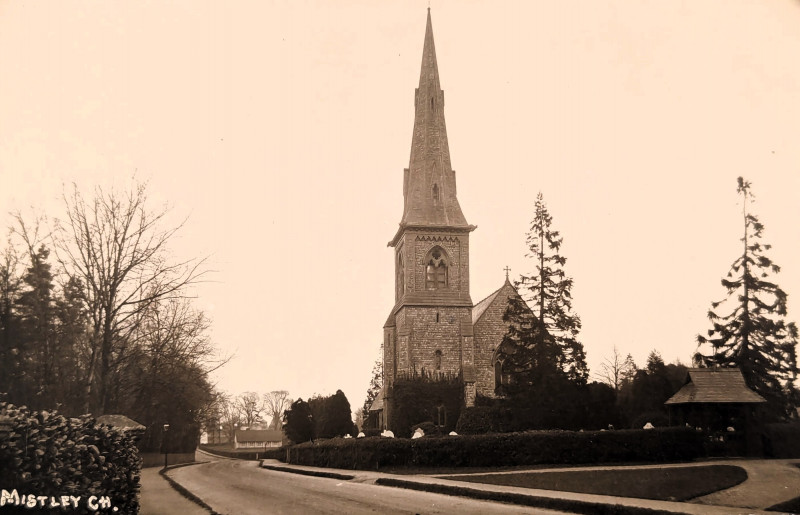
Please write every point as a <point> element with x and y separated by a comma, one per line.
<point>499,450</point>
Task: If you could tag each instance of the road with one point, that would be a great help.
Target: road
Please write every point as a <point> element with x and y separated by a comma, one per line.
<point>241,487</point>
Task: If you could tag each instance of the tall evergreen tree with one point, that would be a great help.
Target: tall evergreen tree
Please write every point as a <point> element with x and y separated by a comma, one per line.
<point>375,383</point>
<point>749,330</point>
<point>35,307</point>
<point>542,340</point>
<point>298,422</point>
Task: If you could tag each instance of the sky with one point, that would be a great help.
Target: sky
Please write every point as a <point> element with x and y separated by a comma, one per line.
<point>279,130</point>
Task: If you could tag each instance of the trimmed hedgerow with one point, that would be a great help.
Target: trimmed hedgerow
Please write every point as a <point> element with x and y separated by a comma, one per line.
<point>783,440</point>
<point>509,449</point>
<point>486,419</point>
<point>44,453</point>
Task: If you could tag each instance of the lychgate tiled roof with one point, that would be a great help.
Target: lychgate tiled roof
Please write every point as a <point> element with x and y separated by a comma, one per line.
<point>715,385</point>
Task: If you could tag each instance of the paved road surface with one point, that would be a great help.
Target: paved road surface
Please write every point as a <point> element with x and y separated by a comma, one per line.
<point>240,487</point>
<point>159,498</point>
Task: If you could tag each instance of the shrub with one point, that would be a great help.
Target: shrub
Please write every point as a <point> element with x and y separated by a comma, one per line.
<point>485,419</point>
<point>44,453</point>
<point>782,440</point>
<point>424,397</point>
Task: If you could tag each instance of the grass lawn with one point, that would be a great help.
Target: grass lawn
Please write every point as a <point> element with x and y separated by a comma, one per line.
<point>667,484</point>
<point>791,506</point>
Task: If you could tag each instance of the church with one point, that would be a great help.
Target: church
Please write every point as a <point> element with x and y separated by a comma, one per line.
<point>434,328</point>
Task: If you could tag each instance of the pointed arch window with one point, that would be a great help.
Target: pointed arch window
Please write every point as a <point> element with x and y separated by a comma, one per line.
<point>436,269</point>
<point>436,193</point>
<point>437,360</point>
<point>502,376</point>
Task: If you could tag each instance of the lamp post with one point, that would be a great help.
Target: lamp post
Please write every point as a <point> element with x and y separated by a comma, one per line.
<point>166,448</point>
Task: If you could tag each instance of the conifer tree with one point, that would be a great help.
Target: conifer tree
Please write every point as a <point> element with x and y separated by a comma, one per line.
<point>298,422</point>
<point>749,330</point>
<point>542,340</point>
<point>375,383</point>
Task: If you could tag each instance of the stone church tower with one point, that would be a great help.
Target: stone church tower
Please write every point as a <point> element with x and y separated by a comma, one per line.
<point>431,324</point>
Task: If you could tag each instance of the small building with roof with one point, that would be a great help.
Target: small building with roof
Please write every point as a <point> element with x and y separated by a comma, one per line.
<point>718,399</point>
<point>257,438</point>
<point>121,422</point>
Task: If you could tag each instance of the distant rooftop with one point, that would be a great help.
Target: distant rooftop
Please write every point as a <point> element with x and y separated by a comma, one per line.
<point>256,435</point>
<point>120,422</point>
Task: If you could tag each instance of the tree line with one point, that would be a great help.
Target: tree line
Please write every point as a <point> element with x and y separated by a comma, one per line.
<point>97,317</point>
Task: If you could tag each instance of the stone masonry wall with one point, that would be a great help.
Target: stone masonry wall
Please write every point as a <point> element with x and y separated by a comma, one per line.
<point>426,336</point>
<point>489,332</point>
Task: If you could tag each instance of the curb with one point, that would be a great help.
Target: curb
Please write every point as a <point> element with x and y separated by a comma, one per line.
<point>183,491</point>
<point>302,472</point>
<point>554,503</point>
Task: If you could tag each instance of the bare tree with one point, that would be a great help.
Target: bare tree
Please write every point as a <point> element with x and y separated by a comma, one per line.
<point>166,379</point>
<point>117,248</point>
<point>10,281</point>
<point>249,406</point>
<point>613,370</point>
<point>275,403</point>
<point>230,418</point>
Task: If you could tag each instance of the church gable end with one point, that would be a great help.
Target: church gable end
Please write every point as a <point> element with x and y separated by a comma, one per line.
<point>489,332</point>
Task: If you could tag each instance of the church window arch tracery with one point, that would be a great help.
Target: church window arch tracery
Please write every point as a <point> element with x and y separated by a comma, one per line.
<point>436,269</point>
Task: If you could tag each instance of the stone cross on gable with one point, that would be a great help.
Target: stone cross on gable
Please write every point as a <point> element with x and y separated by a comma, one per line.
<point>507,271</point>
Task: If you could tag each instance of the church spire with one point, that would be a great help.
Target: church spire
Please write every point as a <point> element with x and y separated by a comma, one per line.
<point>429,74</point>
<point>429,185</point>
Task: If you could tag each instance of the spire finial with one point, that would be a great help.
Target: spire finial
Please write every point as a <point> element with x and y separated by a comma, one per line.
<point>507,271</point>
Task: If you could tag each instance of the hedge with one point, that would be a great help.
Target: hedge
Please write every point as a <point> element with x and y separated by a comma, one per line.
<point>783,440</point>
<point>497,450</point>
<point>46,454</point>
